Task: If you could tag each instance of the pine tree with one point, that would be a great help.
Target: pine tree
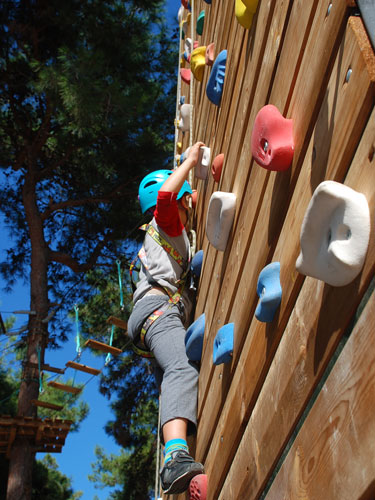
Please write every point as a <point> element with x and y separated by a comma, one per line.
<point>87,102</point>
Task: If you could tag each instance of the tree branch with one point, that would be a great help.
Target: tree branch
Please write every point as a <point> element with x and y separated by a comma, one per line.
<point>114,194</point>
<point>73,264</point>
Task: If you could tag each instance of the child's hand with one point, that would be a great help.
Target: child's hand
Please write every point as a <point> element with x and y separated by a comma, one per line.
<point>194,153</point>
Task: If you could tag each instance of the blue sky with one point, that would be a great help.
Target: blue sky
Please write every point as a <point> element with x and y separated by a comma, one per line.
<point>78,453</point>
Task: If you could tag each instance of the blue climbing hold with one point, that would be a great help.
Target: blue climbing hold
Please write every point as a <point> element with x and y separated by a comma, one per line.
<point>223,344</point>
<point>194,339</point>
<point>215,83</point>
<point>269,291</point>
<point>182,100</point>
<point>196,264</point>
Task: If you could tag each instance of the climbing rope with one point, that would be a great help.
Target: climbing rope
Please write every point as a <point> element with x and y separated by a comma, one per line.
<point>158,458</point>
<point>109,356</point>
<point>78,338</point>
<point>118,262</point>
<point>178,97</point>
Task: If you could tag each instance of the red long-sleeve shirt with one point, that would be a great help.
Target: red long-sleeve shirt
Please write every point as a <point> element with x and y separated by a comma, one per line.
<point>166,213</point>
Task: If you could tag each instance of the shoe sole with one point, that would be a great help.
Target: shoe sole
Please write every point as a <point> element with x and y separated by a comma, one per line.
<point>181,484</point>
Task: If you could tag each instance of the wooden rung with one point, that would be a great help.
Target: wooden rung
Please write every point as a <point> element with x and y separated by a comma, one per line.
<point>94,344</point>
<point>112,320</point>
<point>63,387</point>
<point>83,368</point>
<point>47,368</point>
<point>44,404</point>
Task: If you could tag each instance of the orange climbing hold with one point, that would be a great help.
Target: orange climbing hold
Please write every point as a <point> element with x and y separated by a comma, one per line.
<point>217,167</point>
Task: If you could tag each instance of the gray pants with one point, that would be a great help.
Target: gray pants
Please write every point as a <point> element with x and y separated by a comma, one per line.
<point>177,375</point>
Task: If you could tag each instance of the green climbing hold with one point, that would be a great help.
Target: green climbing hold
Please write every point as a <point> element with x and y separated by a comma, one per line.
<point>200,23</point>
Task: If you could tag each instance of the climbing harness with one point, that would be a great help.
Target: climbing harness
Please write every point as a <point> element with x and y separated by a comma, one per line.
<point>139,346</point>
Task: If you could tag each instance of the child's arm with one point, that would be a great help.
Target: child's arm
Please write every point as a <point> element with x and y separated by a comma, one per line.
<point>175,181</point>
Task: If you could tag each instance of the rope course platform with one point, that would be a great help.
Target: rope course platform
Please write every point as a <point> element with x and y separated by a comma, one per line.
<point>95,344</point>
<point>47,436</point>
<point>83,368</point>
<point>65,388</point>
<point>47,368</point>
<point>45,404</point>
<point>112,320</point>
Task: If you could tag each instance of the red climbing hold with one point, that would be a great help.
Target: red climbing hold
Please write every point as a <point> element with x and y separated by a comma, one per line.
<point>185,75</point>
<point>272,142</point>
<point>210,54</point>
<point>217,167</point>
<point>198,487</point>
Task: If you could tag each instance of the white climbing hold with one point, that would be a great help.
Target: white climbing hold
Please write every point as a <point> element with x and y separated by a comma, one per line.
<point>335,234</point>
<point>184,122</point>
<point>220,216</point>
<point>202,166</point>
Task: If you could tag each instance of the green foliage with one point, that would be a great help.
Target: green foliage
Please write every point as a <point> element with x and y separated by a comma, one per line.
<point>49,483</point>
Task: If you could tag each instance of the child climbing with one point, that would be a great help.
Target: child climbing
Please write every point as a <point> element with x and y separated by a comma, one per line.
<point>162,309</point>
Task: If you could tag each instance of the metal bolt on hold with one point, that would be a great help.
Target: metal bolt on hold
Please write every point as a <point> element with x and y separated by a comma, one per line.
<point>348,75</point>
<point>265,147</point>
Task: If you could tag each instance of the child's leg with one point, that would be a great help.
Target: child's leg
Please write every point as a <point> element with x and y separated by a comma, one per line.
<point>166,339</point>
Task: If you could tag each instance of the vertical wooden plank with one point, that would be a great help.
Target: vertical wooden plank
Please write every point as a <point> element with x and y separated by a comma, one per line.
<point>333,455</point>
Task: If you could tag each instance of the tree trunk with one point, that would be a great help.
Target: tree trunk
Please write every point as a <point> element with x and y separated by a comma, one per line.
<point>23,450</point>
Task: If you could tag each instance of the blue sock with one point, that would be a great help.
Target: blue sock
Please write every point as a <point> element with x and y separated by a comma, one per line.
<point>174,445</point>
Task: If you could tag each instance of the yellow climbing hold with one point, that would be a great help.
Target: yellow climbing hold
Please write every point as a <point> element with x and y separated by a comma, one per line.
<point>198,62</point>
<point>245,10</point>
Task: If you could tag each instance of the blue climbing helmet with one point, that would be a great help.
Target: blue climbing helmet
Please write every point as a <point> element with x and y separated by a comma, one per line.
<point>150,185</point>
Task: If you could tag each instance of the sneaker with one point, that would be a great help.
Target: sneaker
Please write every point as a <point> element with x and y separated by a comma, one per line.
<point>178,472</point>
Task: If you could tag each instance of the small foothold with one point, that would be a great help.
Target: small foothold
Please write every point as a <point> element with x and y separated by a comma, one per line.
<point>188,46</point>
<point>198,485</point>
<point>223,344</point>
<point>179,147</point>
<point>194,339</point>
<point>244,11</point>
<point>215,83</point>
<point>182,100</point>
<point>198,62</point>
<point>220,216</point>
<point>185,26</point>
<point>200,23</point>
<point>217,167</point>
<point>184,121</point>
<point>210,54</point>
<point>180,14</point>
<point>335,234</point>
<point>348,75</point>
<point>201,168</point>
<point>185,75</point>
<point>272,142</point>
<point>269,292</point>
<point>194,198</point>
<point>196,264</point>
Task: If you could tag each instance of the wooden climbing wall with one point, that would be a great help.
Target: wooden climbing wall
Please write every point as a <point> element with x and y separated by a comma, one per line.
<point>296,56</point>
